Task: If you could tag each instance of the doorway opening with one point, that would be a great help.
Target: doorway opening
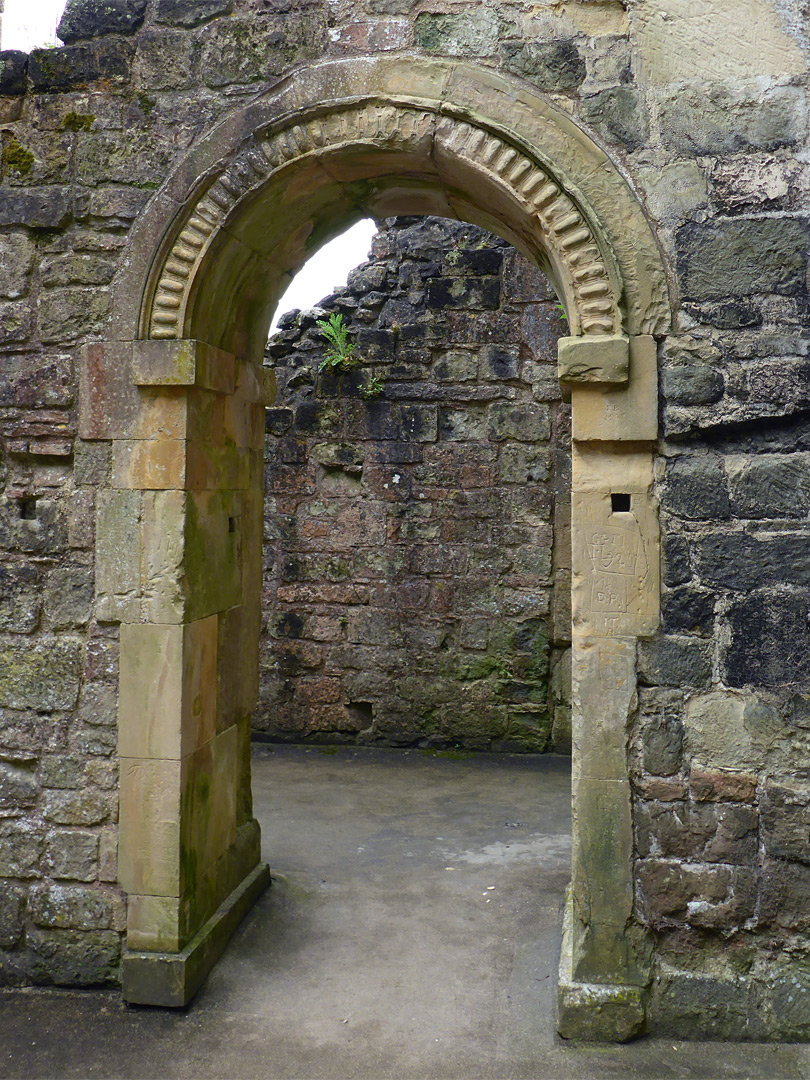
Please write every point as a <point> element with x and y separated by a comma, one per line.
<point>417,544</point>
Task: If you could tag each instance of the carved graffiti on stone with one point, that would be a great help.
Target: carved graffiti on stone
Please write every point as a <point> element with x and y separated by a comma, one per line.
<point>615,592</point>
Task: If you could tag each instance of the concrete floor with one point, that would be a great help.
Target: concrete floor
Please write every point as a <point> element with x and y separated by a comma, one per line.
<point>412,931</point>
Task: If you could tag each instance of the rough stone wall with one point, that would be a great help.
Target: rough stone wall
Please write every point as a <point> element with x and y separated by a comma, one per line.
<point>706,113</point>
<point>410,543</point>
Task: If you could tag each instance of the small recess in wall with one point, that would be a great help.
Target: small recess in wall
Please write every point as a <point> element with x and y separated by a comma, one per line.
<point>619,502</point>
<point>28,508</point>
<point>231,525</point>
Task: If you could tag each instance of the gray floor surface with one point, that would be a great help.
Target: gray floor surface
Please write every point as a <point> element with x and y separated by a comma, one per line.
<point>412,931</point>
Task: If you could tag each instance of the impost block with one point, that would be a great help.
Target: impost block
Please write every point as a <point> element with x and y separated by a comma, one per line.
<point>182,362</point>
<point>594,359</point>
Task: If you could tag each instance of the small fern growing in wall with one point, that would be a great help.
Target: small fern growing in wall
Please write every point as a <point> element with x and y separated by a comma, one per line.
<point>341,354</point>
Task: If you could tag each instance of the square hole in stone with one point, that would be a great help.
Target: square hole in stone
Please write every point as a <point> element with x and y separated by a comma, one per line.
<point>620,502</point>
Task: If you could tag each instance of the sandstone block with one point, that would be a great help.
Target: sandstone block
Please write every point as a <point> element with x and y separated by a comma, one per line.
<point>149,835</point>
<point>20,601</point>
<point>550,66</point>
<point>21,847</point>
<point>183,363</point>
<point>620,113</point>
<point>622,413</point>
<point>21,668</point>
<point>75,958</point>
<point>723,119</point>
<point>12,915</point>
<point>168,688</point>
<point>17,256</point>
<point>71,854</point>
<point>742,257</point>
<point>593,359</point>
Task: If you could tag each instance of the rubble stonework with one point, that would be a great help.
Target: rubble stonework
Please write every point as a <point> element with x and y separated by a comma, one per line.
<point>162,173</point>
<point>416,556</point>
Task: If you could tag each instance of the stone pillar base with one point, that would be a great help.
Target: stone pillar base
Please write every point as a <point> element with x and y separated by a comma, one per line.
<point>172,979</point>
<point>597,1012</point>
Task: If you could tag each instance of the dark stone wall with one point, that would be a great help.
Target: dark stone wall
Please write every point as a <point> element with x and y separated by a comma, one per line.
<point>417,542</point>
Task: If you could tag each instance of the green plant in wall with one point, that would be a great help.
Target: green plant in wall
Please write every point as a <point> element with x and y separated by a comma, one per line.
<point>341,354</point>
<point>372,388</point>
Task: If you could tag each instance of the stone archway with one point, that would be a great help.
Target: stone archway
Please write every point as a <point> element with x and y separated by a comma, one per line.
<point>180,390</point>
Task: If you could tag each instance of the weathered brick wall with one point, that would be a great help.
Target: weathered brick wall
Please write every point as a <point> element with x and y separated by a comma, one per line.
<point>415,590</point>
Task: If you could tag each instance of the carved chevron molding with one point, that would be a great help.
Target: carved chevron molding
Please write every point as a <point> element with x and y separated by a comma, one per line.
<point>564,231</point>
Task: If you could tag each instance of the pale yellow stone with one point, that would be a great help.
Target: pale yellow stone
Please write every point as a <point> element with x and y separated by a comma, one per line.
<point>615,588</point>
<point>212,566</point>
<point>715,733</point>
<point>154,923</point>
<point>596,20</point>
<point>182,362</point>
<point>163,545</point>
<point>610,468</point>
<point>603,693</point>
<point>629,413</point>
<point>149,830</point>
<point>168,688</point>
<point>210,777</point>
<point>593,359</point>
<point>602,850</point>
<point>118,556</point>
<point>681,41</point>
<point>150,465</point>
<point>673,191</point>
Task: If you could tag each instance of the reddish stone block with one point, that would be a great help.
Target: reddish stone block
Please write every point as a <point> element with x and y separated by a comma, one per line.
<point>664,789</point>
<point>718,785</point>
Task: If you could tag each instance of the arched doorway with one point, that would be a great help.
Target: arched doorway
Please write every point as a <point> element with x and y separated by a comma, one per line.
<point>180,389</point>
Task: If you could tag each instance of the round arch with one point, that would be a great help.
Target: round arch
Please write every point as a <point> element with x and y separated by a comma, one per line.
<point>180,390</point>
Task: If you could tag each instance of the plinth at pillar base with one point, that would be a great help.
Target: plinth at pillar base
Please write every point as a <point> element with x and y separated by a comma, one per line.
<point>172,979</point>
<point>595,1012</point>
